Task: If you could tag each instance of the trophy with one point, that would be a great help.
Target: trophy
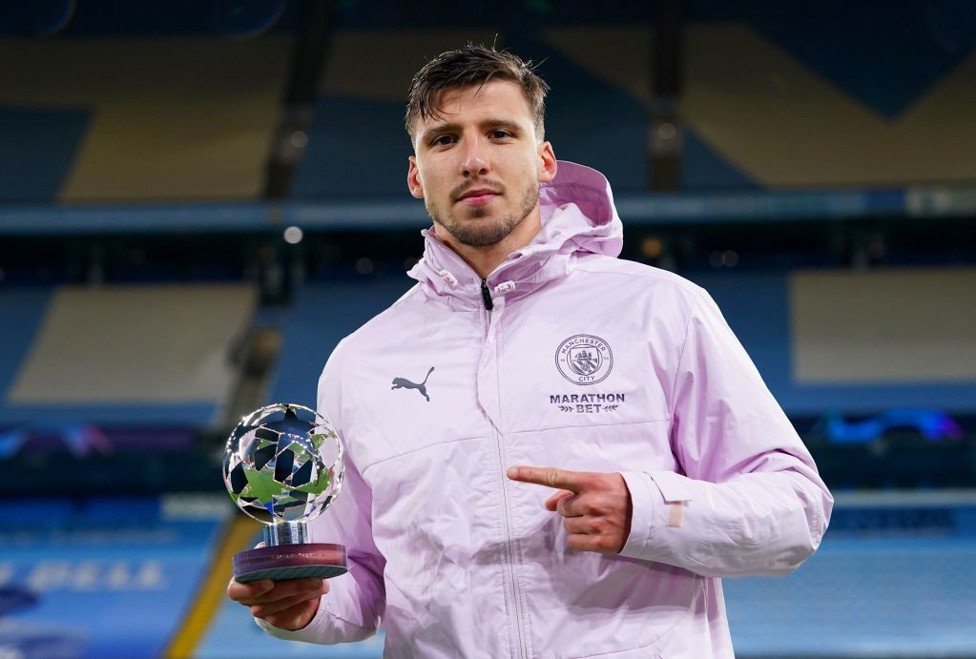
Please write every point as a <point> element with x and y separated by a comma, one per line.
<point>283,467</point>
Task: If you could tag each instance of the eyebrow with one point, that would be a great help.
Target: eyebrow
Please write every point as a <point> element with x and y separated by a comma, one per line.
<point>441,129</point>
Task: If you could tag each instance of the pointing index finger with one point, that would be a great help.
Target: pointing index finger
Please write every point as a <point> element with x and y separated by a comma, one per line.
<point>548,476</point>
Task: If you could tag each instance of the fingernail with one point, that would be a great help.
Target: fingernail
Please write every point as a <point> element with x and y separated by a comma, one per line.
<point>513,472</point>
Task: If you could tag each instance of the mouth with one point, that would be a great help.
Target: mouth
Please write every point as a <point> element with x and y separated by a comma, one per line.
<point>478,196</point>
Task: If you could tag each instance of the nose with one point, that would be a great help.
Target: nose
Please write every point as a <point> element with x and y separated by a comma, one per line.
<point>474,160</point>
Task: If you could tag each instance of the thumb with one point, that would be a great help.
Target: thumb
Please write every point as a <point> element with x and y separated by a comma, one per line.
<point>553,501</point>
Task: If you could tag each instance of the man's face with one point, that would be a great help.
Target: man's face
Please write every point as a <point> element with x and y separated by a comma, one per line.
<point>478,167</point>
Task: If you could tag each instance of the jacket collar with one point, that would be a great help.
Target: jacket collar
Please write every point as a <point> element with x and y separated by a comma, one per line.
<point>578,217</point>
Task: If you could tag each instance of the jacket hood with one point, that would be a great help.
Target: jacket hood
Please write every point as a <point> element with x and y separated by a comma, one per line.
<point>578,217</point>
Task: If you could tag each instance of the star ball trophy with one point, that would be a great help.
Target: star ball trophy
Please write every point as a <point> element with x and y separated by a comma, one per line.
<point>283,467</point>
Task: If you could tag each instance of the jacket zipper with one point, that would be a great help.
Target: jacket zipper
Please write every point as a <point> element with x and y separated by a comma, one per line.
<point>509,545</point>
<point>486,296</point>
<point>510,551</point>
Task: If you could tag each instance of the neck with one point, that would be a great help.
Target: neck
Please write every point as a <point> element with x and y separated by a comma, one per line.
<point>484,260</point>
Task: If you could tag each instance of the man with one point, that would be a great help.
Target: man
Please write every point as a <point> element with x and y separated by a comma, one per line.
<point>592,448</point>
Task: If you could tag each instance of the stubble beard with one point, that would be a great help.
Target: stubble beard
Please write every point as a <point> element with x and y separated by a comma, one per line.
<point>484,233</point>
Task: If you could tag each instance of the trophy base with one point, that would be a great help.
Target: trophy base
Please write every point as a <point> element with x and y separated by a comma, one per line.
<point>281,562</point>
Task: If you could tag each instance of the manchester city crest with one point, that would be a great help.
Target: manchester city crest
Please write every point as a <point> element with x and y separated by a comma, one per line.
<point>584,359</point>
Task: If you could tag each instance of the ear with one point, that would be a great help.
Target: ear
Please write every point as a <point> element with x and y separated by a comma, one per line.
<point>413,179</point>
<point>547,162</point>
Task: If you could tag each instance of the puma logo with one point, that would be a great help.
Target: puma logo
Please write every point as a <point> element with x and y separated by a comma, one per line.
<point>404,383</point>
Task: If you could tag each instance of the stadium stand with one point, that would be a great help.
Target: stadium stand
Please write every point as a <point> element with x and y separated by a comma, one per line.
<point>135,354</point>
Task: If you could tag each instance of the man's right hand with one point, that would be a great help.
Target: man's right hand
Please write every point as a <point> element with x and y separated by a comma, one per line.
<point>289,604</point>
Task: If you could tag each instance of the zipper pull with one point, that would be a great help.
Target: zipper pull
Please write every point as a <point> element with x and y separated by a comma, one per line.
<point>486,296</point>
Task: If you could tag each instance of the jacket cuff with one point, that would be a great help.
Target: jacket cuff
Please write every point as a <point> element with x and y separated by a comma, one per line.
<point>658,502</point>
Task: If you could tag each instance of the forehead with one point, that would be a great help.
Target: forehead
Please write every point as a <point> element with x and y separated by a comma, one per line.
<point>496,99</point>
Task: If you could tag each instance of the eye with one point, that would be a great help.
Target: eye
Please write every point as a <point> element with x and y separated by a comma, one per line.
<point>443,140</point>
<point>499,134</point>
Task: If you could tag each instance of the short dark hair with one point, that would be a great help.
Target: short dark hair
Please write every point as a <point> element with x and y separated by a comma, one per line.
<point>473,66</point>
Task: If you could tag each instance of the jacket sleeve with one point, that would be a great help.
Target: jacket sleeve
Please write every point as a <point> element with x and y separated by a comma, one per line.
<point>353,607</point>
<point>750,500</point>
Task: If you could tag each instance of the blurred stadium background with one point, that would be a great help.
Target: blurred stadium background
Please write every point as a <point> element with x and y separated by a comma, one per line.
<point>198,198</point>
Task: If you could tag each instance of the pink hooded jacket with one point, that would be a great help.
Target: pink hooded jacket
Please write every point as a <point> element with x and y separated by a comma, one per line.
<point>585,362</point>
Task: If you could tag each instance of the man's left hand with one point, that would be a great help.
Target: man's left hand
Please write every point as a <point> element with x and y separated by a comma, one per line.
<point>595,506</point>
